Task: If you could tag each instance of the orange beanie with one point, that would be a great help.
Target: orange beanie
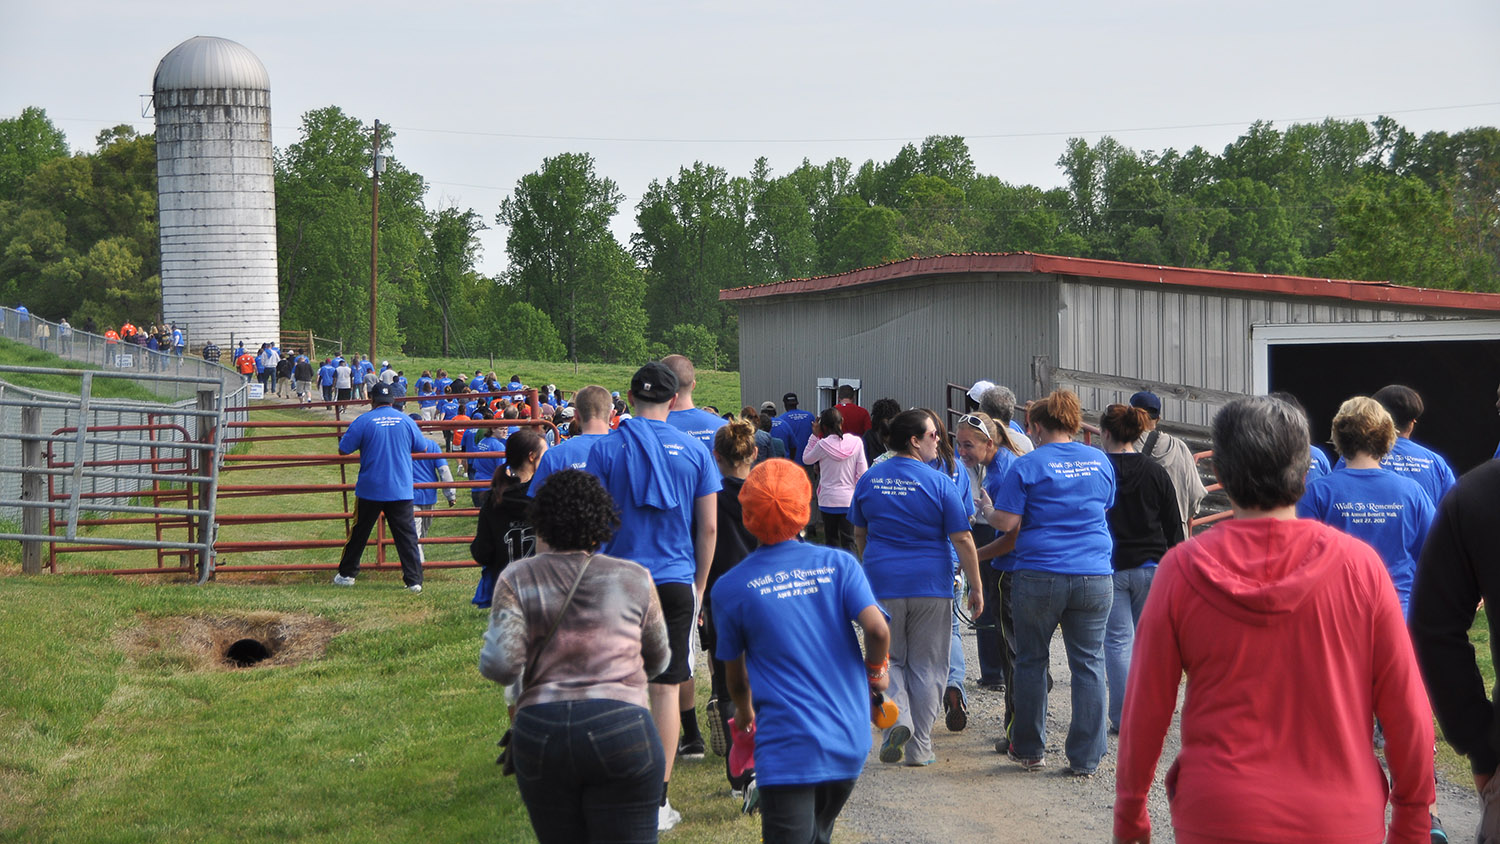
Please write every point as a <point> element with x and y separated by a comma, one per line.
<point>775,500</point>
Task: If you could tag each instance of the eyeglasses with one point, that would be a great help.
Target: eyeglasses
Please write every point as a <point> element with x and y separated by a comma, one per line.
<point>977,424</point>
<point>931,434</point>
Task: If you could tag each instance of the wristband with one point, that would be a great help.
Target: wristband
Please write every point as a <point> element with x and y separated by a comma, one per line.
<point>877,670</point>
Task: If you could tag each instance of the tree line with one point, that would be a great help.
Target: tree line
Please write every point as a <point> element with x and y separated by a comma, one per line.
<point>1340,198</point>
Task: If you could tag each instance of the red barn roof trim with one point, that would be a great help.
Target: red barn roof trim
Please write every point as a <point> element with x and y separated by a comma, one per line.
<point>1379,292</point>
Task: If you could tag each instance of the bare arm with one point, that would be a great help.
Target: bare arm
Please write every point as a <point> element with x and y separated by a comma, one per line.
<point>999,546</point>
<point>860,535</point>
<point>968,559</point>
<point>877,641</point>
<point>737,678</point>
<point>706,536</point>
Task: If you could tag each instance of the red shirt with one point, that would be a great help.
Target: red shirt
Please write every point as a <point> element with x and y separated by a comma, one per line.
<point>1292,641</point>
<point>856,418</point>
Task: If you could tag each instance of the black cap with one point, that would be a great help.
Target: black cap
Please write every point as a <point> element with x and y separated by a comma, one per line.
<point>789,398</point>
<point>1147,401</point>
<point>380,394</point>
<point>655,382</point>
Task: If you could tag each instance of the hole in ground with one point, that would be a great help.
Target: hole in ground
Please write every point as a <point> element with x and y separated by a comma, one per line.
<point>247,652</point>
<point>227,642</point>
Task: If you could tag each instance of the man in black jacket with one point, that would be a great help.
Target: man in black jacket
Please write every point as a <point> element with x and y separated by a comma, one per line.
<point>1460,566</point>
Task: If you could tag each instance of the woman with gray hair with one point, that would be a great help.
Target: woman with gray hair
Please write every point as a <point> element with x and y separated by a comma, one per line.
<point>1283,753</point>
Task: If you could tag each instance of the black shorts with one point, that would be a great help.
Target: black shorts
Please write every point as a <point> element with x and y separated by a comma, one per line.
<point>677,608</point>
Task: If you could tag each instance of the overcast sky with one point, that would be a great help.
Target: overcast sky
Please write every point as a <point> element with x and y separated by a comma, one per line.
<point>648,87</point>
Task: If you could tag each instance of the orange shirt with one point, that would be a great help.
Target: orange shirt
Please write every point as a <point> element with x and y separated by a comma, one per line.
<point>111,337</point>
<point>245,363</point>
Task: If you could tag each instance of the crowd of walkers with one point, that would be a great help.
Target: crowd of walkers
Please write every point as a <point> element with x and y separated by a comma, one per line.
<point>603,548</point>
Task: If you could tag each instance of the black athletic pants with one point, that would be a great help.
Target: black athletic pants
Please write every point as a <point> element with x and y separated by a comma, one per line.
<point>403,528</point>
<point>802,813</point>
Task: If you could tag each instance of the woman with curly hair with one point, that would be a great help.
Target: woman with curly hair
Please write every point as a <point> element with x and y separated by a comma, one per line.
<point>582,632</point>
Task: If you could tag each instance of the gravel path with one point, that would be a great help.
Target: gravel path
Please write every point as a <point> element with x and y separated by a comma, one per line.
<point>973,794</point>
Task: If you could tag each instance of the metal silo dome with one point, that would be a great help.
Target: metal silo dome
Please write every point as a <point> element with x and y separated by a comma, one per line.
<point>216,193</point>
<point>208,62</point>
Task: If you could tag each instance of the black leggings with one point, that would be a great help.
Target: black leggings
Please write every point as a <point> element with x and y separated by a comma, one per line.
<point>838,530</point>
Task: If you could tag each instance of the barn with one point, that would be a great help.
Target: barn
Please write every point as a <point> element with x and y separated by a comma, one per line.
<point>914,329</point>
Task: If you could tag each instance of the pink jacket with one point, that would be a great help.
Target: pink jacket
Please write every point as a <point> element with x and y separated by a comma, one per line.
<point>1292,641</point>
<point>841,460</point>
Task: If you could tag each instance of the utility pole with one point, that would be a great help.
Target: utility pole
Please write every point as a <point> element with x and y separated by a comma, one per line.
<point>377,164</point>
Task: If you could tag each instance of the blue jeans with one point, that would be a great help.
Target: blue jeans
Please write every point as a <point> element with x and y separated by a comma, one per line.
<point>956,667</point>
<point>589,770</point>
<point>1131,588</point>
<point>1080,604</point>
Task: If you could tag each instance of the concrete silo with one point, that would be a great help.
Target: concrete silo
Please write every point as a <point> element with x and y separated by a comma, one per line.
<point>216,193</point>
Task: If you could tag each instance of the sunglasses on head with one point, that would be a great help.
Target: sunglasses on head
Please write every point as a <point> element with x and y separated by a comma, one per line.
<point>977,424</point>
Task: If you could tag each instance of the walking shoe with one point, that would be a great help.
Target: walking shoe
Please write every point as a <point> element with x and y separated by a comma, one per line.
<point>1077,772</point>
<point>667,817</point>
<point>718,741</point>
<point>1027,763</point>
<point>1439,835</point>
<point>690,749</point>
<point>890,749</point>
<point>912,763</point>
<point>340,580</point>
<point>414,588</point>
<point>751,803</point>
<point>955,711</point>
<point>992,685</point>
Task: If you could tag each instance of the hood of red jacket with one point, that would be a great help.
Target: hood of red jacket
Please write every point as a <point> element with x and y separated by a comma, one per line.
<point>1256,570</point>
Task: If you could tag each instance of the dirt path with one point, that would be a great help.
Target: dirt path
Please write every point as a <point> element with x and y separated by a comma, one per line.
<point>974,794</point>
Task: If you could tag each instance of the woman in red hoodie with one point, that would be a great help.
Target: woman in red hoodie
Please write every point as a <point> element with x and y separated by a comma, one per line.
<point>1292,641</point>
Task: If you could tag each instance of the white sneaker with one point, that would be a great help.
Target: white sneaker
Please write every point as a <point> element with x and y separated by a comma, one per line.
<point>340,580</point>
<point>414,588</point>
<point>667,817</point>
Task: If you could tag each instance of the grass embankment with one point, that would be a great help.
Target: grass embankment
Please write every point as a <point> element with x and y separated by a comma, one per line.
<point>715,388</point>
<point>118,723</point>
<point>19,354</point>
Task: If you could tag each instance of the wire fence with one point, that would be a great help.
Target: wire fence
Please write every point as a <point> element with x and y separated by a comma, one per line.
<point>74,344</point>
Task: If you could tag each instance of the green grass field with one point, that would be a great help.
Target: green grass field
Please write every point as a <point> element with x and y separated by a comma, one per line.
<point>119,722</point>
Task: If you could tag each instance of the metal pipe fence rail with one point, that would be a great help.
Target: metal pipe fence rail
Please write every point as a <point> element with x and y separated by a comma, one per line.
<point>285,465</point>
<point>69,462</point>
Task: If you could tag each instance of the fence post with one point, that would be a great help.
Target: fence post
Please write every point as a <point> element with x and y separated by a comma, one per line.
<point>33,488</point>
<point>203,467</point>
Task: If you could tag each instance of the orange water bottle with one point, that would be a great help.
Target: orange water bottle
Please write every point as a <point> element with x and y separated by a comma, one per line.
<point>883,713</point>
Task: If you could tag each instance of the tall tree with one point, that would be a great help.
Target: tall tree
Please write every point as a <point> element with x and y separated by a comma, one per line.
<point>27,141</point>
<point>558,216</point>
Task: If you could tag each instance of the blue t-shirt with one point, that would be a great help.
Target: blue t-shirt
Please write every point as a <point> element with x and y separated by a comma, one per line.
<point>385,439</point>
<point>441,384</point>
<point>908,509</point>
<point>799,422</point>
<point>325,375</point>
<point>427,396</point>
<point>960,478</point>
<point>426,472</point>
<point>698,422</point>
<point>1421,464</point>
<point>1061,492</point>
<point>447,408</point>
<point>476,385</point>
<point>484,468</point>
<point>994,473</point>
<point>365,367</point>
<point>787,607</point>
<point>571,453</point>
<point>1319,465</point>
<point>655,473</point>
<point>1390,512</point>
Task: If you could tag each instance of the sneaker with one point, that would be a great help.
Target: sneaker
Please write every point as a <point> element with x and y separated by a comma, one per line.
<point>751,800</point>
<point>912,763</point>
<point>340,580</point>
<point>667,817</point>
<point>1027,763</point>
<point>1439,835</point>
<point>718,740</point>
<point>693,749</point>
<point>414,588</point>
<point>1077,772</point>
<point>992,685</point>
<point>890,749</point>
<point>956,712</point>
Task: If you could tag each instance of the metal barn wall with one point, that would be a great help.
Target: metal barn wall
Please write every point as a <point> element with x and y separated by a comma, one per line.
<point>904,340</point>
<point>1199,338</point>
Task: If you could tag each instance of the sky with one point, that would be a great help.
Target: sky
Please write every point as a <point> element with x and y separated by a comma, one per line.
<point>480,93</point>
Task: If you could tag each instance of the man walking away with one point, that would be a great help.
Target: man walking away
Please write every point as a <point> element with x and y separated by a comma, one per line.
<point>1174,455</point>
<point>665,484</point>
<point>1458,570</point>
<point>385,440</point>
